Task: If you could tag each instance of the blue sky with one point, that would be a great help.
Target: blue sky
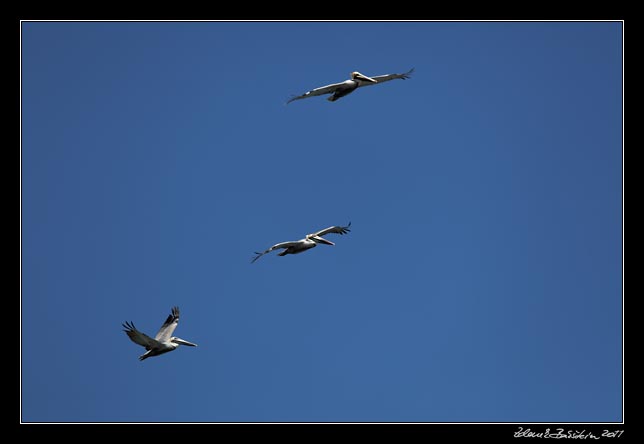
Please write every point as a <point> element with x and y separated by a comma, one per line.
<point>482,278</point>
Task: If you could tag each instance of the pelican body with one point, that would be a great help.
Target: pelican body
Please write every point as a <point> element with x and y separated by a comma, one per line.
<point>163,342</point>
<point>357,80</point>
<point>310,241</point>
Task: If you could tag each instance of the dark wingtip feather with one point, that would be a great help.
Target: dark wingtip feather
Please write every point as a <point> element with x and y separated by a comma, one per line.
<point>129,326</point>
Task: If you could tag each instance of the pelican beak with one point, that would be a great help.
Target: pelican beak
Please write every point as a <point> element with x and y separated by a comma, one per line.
<point>365,78</point>
<point>184,342</point>
<point>322,240</point>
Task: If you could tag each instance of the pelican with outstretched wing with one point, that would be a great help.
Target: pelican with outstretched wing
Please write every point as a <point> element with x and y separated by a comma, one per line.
<point>163,342</point>
<point>348,86</point>
<point>310,241</point>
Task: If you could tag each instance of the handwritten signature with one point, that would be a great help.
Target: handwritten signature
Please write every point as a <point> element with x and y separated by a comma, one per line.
<point>561,433</point>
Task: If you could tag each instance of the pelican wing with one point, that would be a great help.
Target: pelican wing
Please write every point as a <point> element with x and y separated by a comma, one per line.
<point>138,337</point>
<point>318,91</point>
<point>387,77</point>
<point>166,330</point>
<point>274,247</point>
<point>335,229</point>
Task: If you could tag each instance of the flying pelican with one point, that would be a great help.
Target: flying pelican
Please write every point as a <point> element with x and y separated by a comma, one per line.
<point>348,86</point>
<point>310,241</point>
<point>163,342</point>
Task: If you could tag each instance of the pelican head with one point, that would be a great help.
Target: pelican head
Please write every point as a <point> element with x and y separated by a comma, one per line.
<point>319,239</point>
<point>180,341</point>
<point>355,75</point>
